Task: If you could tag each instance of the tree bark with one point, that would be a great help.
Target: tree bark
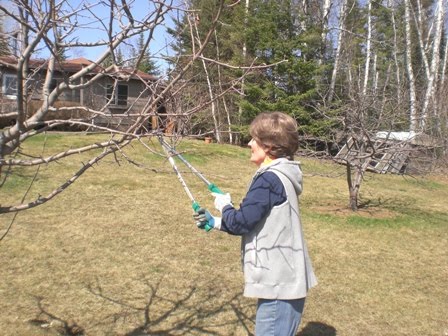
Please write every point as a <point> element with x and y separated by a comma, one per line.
<point>414,121</point>
<point>326,6</point>
<point>395,52</point>
<point>435,62</point>
<point>337,55</point>
<point>368,47</point>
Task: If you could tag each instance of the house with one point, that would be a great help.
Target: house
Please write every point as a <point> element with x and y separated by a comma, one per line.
<point>392,152</point>
<point>119,96</point>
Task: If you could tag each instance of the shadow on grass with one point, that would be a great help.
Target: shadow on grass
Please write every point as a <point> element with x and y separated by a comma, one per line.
<point>189,311</point>
<point>317,329</point>
<point>192,311</point>
<point>49,321</point>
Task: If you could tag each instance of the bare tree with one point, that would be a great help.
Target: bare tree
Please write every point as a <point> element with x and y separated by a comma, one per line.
<point>104,90</point>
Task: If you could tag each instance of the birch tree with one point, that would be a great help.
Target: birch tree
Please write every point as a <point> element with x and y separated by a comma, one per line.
<point>414,122</point>
<point>368,47</point>
<point>430,98</point>
<point>398,69</point>
<point>326,7</point>
<point>337,54</point>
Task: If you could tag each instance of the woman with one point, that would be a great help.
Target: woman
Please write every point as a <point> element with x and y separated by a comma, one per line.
<point>276,265</point>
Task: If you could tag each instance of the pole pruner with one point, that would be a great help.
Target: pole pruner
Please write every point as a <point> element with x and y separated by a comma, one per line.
<point>171,152</point>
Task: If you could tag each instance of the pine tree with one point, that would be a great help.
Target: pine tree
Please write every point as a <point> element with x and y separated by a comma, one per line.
<point>272,31</point>
<point>276,32</point>
<point>62,56</point>
<point>146,65</point>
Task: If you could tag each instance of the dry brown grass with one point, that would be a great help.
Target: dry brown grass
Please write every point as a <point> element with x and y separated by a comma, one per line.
<point>118,254</point>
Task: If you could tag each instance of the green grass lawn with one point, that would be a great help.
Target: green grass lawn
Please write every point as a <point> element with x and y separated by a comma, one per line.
<point>118,252</point>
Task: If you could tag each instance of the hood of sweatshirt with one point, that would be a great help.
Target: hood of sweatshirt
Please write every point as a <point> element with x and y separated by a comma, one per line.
<point>290,169</point>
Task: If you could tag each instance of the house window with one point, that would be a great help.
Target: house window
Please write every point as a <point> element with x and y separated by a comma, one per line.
<point>118,94</point>
<point>9,85</point>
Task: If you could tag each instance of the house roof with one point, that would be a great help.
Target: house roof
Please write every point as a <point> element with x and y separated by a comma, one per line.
<point>75,65</point>
<point>81,60</point>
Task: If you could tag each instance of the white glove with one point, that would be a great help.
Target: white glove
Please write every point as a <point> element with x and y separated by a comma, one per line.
<point>221,200</point>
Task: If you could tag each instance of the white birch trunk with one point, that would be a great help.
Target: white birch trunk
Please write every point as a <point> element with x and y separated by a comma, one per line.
<point>410,72</point>
<point>375,74</point>
<point>397,66</point>
<point>368,48</point>
<point>337,55</point>
<point>423,47</point>
<point>305,12</point>
<point>325,15</point>
<point>435,62</point>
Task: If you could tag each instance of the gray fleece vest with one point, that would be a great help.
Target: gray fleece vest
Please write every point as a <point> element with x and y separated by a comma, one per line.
<point>275,258</point>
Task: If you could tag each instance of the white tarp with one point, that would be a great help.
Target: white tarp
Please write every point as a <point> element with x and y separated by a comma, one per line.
<point>398,136</point>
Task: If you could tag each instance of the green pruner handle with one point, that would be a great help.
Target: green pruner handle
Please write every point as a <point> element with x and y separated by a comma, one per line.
<point>213,188</point>
<point>196,208</point>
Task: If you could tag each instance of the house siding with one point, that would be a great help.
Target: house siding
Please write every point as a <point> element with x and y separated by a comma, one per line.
<point>93,97</point>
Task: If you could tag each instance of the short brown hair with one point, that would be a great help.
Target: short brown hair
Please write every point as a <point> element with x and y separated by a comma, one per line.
<point>276,132</point>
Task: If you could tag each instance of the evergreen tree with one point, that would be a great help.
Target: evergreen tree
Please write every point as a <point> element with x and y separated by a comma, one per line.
<point>276,32</point>
<point>62,56</point>
<point>146,64</point>
<point>118,56</point>
<point>272,31</point>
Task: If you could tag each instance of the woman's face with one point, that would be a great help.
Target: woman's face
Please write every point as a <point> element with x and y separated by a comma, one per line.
<point>258,154</point>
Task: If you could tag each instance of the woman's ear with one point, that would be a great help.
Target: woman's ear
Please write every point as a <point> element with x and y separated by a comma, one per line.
<point>267,150</point>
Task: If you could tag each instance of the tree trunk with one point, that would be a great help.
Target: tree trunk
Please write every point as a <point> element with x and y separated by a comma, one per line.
<point>397,66</point>
<point>414,122</point>
<point>229,123</point>
<point>353,199</point>
<point>368,48</point>
<point>213,103</point>
<point>244,53</point>
<point>375,75</point>
<point>210,92</point>
<point>435,62</point>
<point>352,189</point>
<point>325,15</point>
<point>338,50</point>
<point>423,48</point>
<point>445,58</point>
